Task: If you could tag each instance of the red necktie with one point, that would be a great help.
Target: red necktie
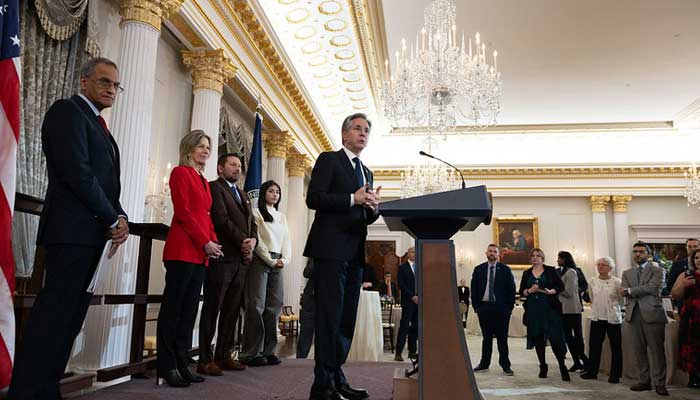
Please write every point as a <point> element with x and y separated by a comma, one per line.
<point>104,124</point>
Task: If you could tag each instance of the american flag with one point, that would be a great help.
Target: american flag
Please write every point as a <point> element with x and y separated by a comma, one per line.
<point>9,137</point>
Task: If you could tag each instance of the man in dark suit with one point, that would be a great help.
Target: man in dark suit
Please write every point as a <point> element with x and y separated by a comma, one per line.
<point>463,294</point>
<point>493,299</point>
<point>409,307</point>
<point>307,313</point>
<point>81,212</point>
<point>679,266</point>
<point>388,287</point>
<point>233,222</point>
<point>341,192</point>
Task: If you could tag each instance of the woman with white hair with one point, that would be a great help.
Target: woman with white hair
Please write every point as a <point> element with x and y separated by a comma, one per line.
<point>606,319</point>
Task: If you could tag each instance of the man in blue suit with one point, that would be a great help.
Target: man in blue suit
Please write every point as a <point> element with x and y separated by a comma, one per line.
<point>409,307</point>
<point>493,298</point>
<point>81,212</point>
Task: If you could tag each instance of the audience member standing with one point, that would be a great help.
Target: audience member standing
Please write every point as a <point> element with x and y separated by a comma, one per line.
<point>493,299</point>
<point>606,319</point>
<point>233,222</point>
<point>264,293</point>
<point>679,267</point>
<point>572,308</point>
<point>190,243</point>
<point>686,290</point>
<point>408,327</point>
<point>81,212</point>
<point>645,316</point>
<point>540,286</point>
<point>463,295</point>
<point>307,313</point>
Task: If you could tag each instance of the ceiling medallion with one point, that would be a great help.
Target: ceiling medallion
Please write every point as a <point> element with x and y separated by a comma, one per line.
<point>351,78</point>
<point>358,98</point>
<point>355,89</point>
<point>323,73</point>
<point>318,60</point>
<point>311,48</point>
<point>331,94</point>
<point>297,16</point>
<point>287,2</point>
<point>360,107</point>
<point>348,67</point>
<point>344,54</point>
<point>330,7</point>
<point>335,25</point>
<point>305,32</point>
<point>340,41</point>
<point>328,83</point>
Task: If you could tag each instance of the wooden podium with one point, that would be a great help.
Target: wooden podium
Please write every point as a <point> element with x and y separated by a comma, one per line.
<point>445,370</point>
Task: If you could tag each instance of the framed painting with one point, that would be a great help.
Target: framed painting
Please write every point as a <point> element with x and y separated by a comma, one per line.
<point>516,237</point>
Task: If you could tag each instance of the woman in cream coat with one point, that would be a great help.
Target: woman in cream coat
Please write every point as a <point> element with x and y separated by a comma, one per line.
<point>264,292</point>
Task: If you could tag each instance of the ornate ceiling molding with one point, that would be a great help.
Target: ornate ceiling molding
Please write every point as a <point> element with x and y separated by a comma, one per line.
<point>369,24</point>
<point>611,127</point>
<point>210,69</point>
<point>178,24</point>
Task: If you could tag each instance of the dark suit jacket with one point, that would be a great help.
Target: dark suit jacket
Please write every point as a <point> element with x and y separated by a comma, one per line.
<point>82,162</point>
<point>339,231</point>
<point>383,289</point>
<point>677,268</point>
<point>233,222</point>
<point>463,293</point>
<point>407,285</point>
<point>504,286</point>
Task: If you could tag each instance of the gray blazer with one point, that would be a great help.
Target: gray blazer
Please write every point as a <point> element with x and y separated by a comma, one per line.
<point>569,298</point>
<point>645,293</point>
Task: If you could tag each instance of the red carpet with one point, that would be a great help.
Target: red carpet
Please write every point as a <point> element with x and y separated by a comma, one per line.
<point>290,380</point>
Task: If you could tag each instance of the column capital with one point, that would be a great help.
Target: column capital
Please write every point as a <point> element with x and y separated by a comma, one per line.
<point>210,69</point>
<point>598,203</point>
<point>620,203</point>
<point>298,164</point>
<point>151,12</point>
<point>277,143</point>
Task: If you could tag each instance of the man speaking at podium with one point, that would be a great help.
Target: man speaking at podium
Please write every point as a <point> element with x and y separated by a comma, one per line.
<point>341,192</point>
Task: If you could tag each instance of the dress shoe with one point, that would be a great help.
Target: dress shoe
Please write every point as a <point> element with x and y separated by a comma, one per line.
<point>640,387</point>
<point>564,373</point>
<point>398,357</point>
<point>661,391</point>
<point>481,367</point>
<point>613,380</point>
<point>508,371</point>
<point>172,378</point>
<point>589,375</point>
<point>209,368</point>
<point>413,356</point>
<point>326,394</point>
<point>576,367</point>
<point>230,364</point>
<point>187,375</point>
<point>694,381</point>
<point>257,361</point>
<point>352,393</point>
<point>543,370</point>
<point>273,360</point>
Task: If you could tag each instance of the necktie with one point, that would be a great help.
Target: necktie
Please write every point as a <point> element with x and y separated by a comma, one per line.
<point>104,124</point>
<point>234,190</point>
<point>358,172</point>
<point>492,281</point>
<point>639,274</point>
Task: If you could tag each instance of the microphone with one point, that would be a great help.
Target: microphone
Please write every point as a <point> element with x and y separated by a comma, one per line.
<point>464,185</point>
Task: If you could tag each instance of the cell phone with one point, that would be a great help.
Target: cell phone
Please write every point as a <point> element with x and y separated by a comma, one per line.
<point>689,273</point>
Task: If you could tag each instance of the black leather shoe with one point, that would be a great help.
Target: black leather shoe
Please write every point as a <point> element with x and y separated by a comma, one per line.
<point>564,374</point>
<point>481,367</point>
<point>589,375</point>
<point>273,360</point>
<point>172,378</point>
<point>614,380</point>
<point>508,371</point>
<point>640,387</point>
<point>257,361</point>
<point>187,375</point>
<point>398,358</point>
<point>661,391</point>
<point>413,356</point>
<point>351,393</point>
<point>543,370</point>
<point>326,394</point>
<point>576,367</point>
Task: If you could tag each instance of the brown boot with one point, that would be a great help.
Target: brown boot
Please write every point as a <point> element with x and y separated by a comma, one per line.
<point>230,364</point>
<point>209,368</point>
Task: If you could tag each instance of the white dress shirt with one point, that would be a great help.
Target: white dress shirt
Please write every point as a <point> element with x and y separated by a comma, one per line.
<point>606,299</point>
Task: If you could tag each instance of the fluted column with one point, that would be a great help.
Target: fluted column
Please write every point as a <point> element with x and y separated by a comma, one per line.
<point>210,71</point>
<point>297,166</point>
<point>622,234</point>
<point>601,247</point>
<point>277,144</point>
<point>106,338</point>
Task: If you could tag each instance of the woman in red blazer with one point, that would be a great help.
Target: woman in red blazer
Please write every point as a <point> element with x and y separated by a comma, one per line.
<point>190,243</point>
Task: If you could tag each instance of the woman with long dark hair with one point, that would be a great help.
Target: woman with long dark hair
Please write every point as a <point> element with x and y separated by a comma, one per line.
<point>686,289</point>
<point>264,292</point>
<point>571,309</point>
<point>190,243</point>
<point>540,286</point>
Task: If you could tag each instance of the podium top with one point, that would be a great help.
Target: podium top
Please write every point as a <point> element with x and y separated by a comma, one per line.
<point>439,215</point>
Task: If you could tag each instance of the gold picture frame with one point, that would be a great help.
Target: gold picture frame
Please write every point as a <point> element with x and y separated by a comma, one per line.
<point>516,247</point>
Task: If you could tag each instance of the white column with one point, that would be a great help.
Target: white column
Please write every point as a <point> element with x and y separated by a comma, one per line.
<point>107,332</point>
<point>277,144</point>
<point>297,166</point>
<point>622,234</point>
<point>601,247</point>
<point>210,70</point>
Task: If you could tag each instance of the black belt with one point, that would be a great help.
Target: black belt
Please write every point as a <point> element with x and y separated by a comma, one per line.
<point>275,256</point>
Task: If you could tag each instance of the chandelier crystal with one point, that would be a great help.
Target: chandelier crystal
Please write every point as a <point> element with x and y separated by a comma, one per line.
<point>431,176</point>
<point>692,188</point>
<point>441,81</point>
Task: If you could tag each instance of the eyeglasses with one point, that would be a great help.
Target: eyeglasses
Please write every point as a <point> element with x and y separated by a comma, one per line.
<point>105,83</point>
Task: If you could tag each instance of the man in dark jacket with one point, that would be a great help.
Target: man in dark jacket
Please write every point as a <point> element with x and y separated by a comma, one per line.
<point>409,307</point>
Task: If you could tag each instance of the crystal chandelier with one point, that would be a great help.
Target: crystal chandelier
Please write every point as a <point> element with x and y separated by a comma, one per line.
<point>441,81</point>
<point>692,188</point>
<point>429,177</point>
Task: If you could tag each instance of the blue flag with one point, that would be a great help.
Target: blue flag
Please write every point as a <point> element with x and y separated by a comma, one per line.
<point>253,178</point>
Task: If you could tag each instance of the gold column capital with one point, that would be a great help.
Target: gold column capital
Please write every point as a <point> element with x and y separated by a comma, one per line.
<point>277,143</point>
<point>210,69</point>
<point>598,203</point>
<point>620,203</point>
<point>151,12</point>
<point>298,164</point>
